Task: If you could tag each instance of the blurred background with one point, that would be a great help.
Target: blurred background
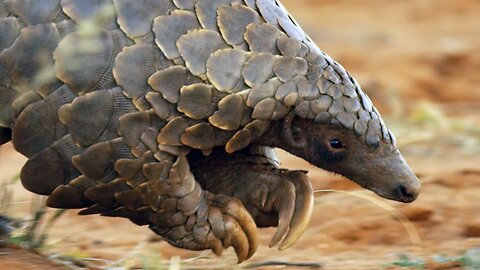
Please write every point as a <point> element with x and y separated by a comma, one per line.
<point>419,60</point>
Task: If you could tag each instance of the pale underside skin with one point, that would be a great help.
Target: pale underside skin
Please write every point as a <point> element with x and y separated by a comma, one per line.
<point>166,112</point>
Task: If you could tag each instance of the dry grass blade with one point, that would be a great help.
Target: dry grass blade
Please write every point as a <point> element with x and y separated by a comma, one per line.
<point>5,198</point>
<point>412,232</point>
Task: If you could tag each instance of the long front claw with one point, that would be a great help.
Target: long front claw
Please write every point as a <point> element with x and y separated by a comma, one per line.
<point>291,196</point>
<point>285,205</point>
<point>304,200</point>
<point>236,210</point>
<point>236,238</point>
<point>288,204</point>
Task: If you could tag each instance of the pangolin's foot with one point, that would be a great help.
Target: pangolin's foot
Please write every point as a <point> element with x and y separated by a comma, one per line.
<point>189,217</point>
<point>219,222</point>
<point>282,198</point>
<point>218,205</point>
<point>273,196</point>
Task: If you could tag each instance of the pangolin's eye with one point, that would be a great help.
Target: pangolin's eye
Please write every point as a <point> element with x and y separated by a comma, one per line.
<point>296,132</point>
<point>336,143</point>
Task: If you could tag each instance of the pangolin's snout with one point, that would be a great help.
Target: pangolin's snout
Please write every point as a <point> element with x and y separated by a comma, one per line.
<point>406,193</point>
<point>388,175</point>
<point>401,190</point>
<point>407,187</point>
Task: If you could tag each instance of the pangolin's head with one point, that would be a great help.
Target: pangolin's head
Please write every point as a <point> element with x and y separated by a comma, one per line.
<point>377,166</point>
<point>339,130</point>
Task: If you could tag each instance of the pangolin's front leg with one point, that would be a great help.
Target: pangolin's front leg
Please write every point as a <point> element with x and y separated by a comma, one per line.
<point>189,217</point>
<point>272,196</point>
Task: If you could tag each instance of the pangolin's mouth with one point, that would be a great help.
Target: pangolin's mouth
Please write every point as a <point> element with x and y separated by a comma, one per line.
<point>272,196</point>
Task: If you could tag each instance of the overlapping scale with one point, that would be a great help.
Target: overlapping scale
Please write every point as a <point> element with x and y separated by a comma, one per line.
<point>185,4</point>
<point>206,11</point>
<point>10,28</point>
<point>233,21</point>
<point>134,65</point>
<point>244,137</point>
<point>271,12</point>
<point>172,132</point>
<point>262,91</point>
<point>261,37</point>
<point>196,46</point>
<point>30,62</point>
<point>200,136</point>
<point>51,167</point>
<point>136,130</point>
<point>169,28</point>
<point>229,114</point>
<point>87,11</point>
<point>95,116</point>
<point>135,17</point>
<point>41,115</point>
<point>258,69</point>
<point>196,101</point>
<point>162,108</point>
<point>170,80</point>
<point>33,12</point>
<point>224,69</point>
<point>291,29</point>
<point>289,47</point>
<point>85,62</point>
<point>7,97</point>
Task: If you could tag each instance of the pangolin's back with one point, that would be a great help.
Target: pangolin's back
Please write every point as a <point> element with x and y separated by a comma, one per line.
<point>93,90</point>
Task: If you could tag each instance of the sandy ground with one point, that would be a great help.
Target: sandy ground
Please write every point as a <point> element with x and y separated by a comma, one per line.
<point>403,53</point>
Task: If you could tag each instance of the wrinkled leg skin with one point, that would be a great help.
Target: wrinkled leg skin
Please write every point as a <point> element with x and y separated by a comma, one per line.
<point>221,205</point>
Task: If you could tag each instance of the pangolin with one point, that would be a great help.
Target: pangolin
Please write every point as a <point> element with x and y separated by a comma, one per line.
<point>167,112</point>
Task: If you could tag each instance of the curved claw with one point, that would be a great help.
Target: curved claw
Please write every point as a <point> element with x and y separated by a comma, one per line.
<point>285,206</point>
<point>235,209</point>
<point>292,198</point>
<point>216,244</point>
<point>236,237</point>
<point>219,222</point>
<point>303,208</point>
<point>215,219</point>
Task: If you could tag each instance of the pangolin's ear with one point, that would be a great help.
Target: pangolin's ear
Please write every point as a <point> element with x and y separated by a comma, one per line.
<point>293,135</point>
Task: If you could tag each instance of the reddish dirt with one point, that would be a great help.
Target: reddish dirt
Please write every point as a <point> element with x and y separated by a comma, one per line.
<point>15,258</point>
<point>401,52</point>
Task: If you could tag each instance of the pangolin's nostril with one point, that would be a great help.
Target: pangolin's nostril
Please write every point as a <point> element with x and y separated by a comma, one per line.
<point>405,195</point>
